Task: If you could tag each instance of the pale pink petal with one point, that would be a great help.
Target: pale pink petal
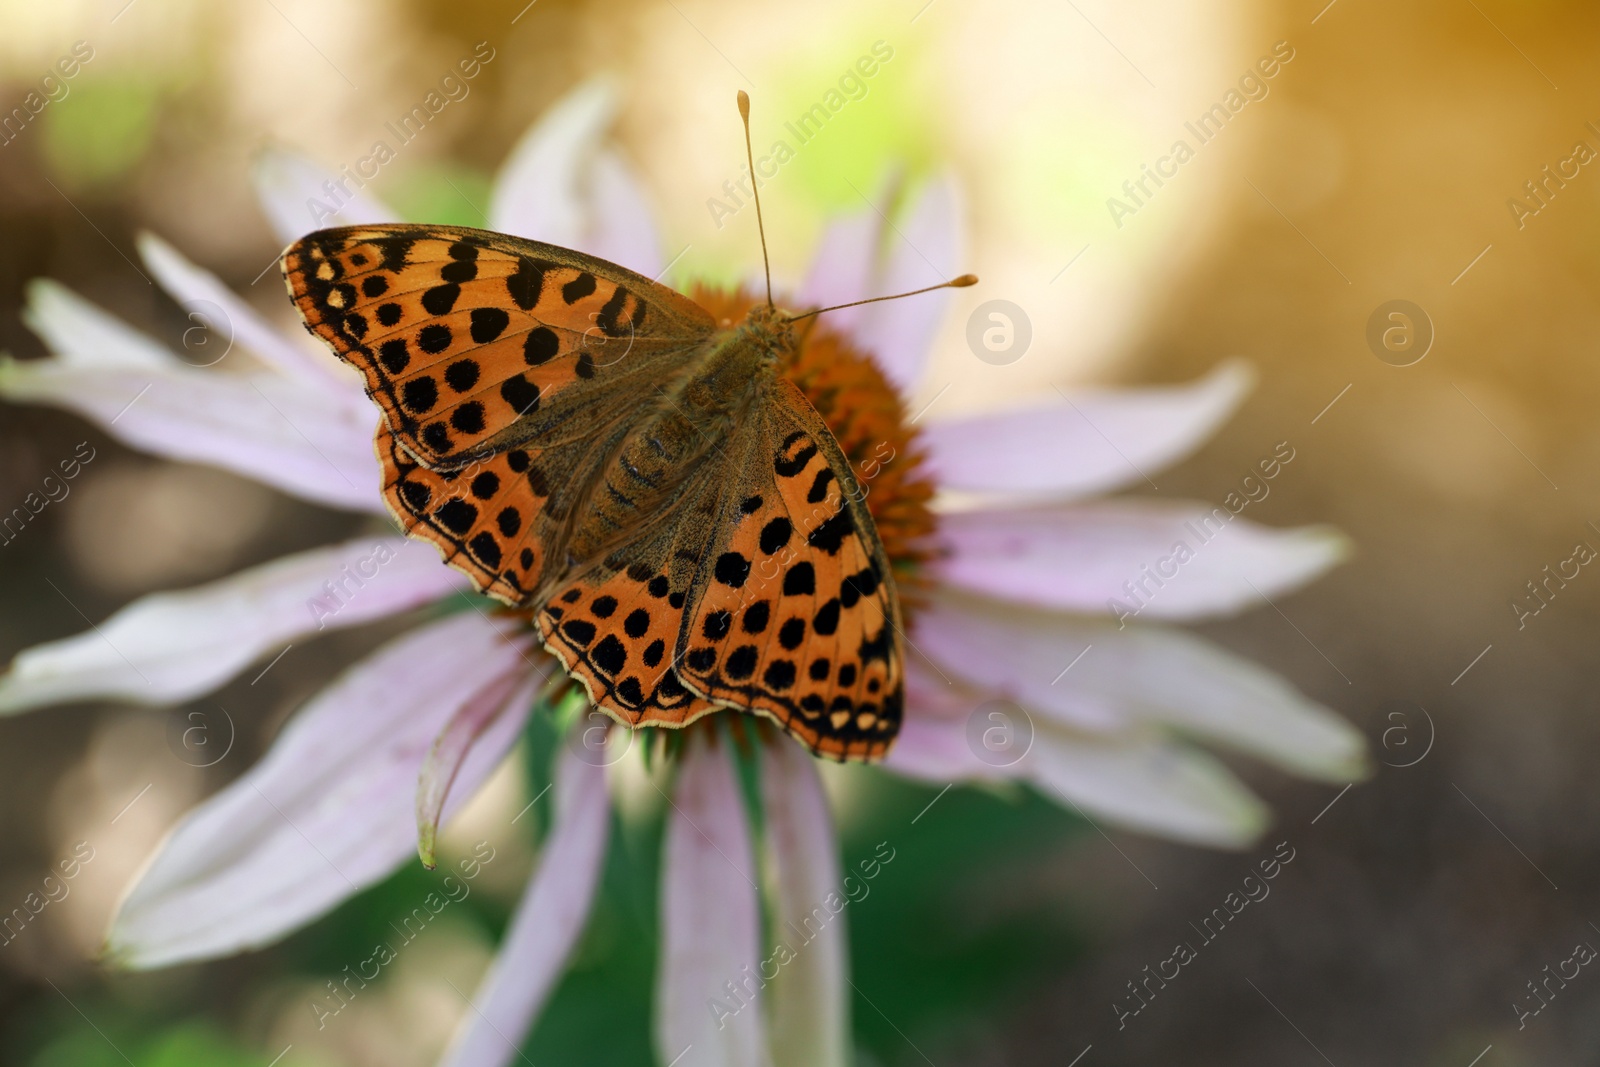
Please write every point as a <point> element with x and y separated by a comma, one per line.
<point>223,321</point>
<point>547,924</point>
<point>1147,558</point>
<point>925,248</point>
<point>83,337</point>
<point>1086,441</point>
<point>622,224</point>
<point>294,191</point>
<point>1091,676</point>
<point>1146,784</point>
<point>169,647</point>
<point>708,990</point>
<point>304,439</point>
<point>327,812</point>
<point>560,186</point>
<point>1136,779</point>
<point>842,268</point>
<point>810,1002</point>
<point>499,699</point>
<point>932,744</point>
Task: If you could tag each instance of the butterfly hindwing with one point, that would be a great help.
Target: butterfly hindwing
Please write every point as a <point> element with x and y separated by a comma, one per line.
<point>474,342</point>
<point>503,517</point>
<point>481,518</point>
<point>615,628</point>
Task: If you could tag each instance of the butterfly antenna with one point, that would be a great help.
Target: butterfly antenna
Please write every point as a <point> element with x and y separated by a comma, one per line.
<point>954,283</point>
<point>744,113</point>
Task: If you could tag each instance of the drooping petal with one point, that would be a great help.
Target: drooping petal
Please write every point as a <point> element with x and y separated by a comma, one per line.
<point>925,249</point>
<point>1134,777</point>
<point>1086,442</point>
<point>1155,559</point>
<point>194,289</point>
<point>327,812</point>
<point>306,440</point>
<point>547,924</point>
<point>810,1005</point>
<point>1158,787</point>
<point>294,193</point>
<point>558,185</point>
<point>1092,676</point>
<point>450,749</point>
<point>169,647</point>
<point>708,989</point>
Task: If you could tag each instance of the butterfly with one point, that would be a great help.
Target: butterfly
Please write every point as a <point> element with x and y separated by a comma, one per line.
<point>591,445</point>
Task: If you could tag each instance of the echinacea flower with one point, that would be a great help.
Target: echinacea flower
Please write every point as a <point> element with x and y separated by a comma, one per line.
<point>1022,619</point>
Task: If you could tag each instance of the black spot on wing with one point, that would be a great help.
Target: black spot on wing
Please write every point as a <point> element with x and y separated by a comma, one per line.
<point>394,252</point>
<point>830,535</point>
<point>540,346</point>
<point>787,465</point>
<point>488,323</point>
<point>526,283</point>
<point>441,298</point>
<point>578,288</point>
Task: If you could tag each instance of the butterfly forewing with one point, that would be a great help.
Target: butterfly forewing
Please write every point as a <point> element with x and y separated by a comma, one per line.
<point>506,371</point>
<point>466,337</point>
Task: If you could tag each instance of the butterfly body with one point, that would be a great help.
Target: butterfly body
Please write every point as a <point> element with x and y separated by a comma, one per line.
<point>589,445</point>
<point>721,383</point>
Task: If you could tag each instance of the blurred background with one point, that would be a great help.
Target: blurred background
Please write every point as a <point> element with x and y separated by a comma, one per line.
<point>1376,167</point>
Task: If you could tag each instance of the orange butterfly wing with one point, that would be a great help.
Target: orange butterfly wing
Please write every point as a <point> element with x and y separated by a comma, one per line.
<point>800,619</point>
<point>764,590</point>
<point>517,362</point>
<point>615,627</point>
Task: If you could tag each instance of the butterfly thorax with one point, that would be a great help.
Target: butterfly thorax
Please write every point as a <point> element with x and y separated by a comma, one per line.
<point>691,419</point>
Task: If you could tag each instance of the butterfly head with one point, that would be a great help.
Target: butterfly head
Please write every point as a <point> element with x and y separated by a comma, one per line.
<point>770,331</point>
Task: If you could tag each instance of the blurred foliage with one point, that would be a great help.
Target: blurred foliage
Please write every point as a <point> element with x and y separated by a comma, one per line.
<point>443,193</point>
<point>109,128</point>
<point>184,1043</point>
